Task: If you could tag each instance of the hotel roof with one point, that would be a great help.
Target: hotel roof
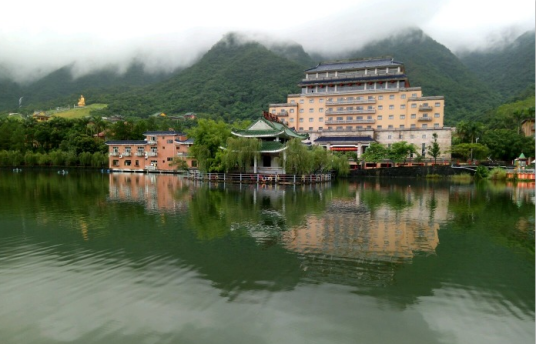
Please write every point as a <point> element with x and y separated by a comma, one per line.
<point>351,65</point>
<point>344,139</point>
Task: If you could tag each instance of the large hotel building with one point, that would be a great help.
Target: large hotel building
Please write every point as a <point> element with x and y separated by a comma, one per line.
<point>348,105</point>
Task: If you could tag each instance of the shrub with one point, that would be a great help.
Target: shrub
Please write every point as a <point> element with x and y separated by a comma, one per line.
<point>497,174</point>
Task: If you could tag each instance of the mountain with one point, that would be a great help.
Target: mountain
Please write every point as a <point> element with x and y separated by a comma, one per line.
<point>59,88</point>
<point>232,80</point>
<point>435,69</point>
<point>508,70</point>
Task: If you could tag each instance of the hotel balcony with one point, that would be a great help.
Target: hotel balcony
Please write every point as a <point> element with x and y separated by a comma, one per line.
<point>353,101</point>
<point>351,121</point>
<point>183,155</point>
<point>348,112</point>
<point>151,142</point>
<point>425,108</point>
<point>342,76</point>
<point>282,114</point>
<point>426,119</point>
<point>114,154</point>
<point>127,154</point>
<point>140,153</point>
<point>152,153</point>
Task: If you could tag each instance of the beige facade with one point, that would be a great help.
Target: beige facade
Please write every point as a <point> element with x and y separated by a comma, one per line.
<point>364,98</point>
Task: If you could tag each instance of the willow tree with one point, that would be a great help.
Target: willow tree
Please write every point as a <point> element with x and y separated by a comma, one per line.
<point>241,152</point>
<point>298,158</point>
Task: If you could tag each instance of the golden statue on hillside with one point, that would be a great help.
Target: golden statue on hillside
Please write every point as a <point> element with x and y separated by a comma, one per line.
<point>81,101</point>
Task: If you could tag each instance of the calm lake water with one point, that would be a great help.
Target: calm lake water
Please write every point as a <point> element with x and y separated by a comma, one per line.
<point>135,258</point>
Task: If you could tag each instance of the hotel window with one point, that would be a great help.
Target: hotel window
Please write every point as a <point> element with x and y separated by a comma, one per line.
<point>291,110</point>
<point>414,94</point>
<point>292,101</point>
<point>321,110</point>
<point>310,128</point>
<point>339,118</point>
<point>391,107</point>
<point>401,126</point>
<point>272,111</point>
<point>392,96</point>
<point>389,137</point>
<point>413,126</point>
<point>140,151</point>
<point>311,101</point>
<point>349,118</point>
<point>436,115</point>
<point>370,107</point>
<point>340,109</point>
<point>292,120</point>
<point>380,117</point>
<point>301,120</point>
<point>403,106</point>
<point>425,125</point>
<point>310,119</point>
<point>330,109</point>
<point>436,125</point>
<point>424,136</point>
<point>379,127</point>
<point>359,117</point>
<point>369,117</point>
<point>301,101</point>
<point>115,150</point>
<point>402,116</point>
<point>300,128</point>
<point>338,128</point>
<point>390,126</point>
<point>321,119</point>
<point>301,110</point>
<point>348,127</point>
<point>330,99</point>
<point>403,96</point>
<point>437,104</point>
<point>380,107</point>
<point>391,116</point>
<point>321,100</point>
<point>115,162</point>
<point>169,141</point>
<point>370,97</point>
<point>359,127</point>
<point>311,110</point>
<point>369,127</point>
<point>413,116</point>
<point>413,106</point>
<point>380,97</point>
<point>320,128</point>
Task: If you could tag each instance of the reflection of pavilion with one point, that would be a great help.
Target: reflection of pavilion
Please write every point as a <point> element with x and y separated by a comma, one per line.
<point>157,192</point>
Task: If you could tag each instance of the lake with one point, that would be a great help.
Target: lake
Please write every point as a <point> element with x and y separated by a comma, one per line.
<point>87,257</point>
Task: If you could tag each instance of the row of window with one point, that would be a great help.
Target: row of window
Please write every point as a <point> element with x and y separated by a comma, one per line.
<point>391,97</point>
<point>369,127</point>
<point>379,117</point>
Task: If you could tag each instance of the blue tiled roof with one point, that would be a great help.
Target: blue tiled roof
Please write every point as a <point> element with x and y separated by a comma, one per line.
<point>187,141</point>
<point>344,139</point>
<point>349,65</point>
<point>126,142</point>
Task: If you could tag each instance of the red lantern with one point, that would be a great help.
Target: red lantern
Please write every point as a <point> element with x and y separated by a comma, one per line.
<point>381,82</point>
<point>358,84</point>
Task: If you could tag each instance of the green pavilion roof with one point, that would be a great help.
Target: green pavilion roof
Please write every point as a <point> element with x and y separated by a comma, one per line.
<point>266,128</point>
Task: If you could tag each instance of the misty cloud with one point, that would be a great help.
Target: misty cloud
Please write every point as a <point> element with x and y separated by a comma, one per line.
<point>39,37</point>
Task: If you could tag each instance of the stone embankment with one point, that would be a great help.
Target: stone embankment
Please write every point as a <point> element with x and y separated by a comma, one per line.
<point>413,171</point>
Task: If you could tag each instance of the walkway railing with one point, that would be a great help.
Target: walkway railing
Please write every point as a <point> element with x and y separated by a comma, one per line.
<point>257,178</point>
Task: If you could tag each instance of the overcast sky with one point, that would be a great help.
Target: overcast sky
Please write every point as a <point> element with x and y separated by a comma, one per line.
<point>39,36</point>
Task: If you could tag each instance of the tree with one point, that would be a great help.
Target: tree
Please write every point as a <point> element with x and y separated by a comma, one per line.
<point>208,136</point>
<point>298,160</point>
<point>322,159</point>
<point>399,151</point>
<point>375,153</point>
<point>434,150</point>
<point>240,152</point>
<point>464,150</point>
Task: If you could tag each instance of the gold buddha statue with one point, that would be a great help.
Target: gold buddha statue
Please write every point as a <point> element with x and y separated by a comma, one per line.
<point>81,101</point>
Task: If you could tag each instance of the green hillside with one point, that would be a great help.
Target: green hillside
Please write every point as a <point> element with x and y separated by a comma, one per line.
<point>508,70</point>
<point>232,80</point>
<point>438,71</point>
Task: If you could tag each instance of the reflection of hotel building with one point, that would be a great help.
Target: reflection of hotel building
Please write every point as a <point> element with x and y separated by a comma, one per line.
<point>155,191</point>
<point>347,105</point>
<point>158,152</point>
<point>352,231</point>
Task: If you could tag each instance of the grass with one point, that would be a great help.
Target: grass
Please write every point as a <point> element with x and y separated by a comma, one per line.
<point>497,174</point>
<point>78,112</point>
<point>462,177</point>
<point>433,176</point>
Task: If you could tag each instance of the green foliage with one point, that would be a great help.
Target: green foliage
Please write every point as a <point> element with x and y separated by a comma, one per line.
<point>462,178</point>
<point>506,144</point>
<point>399,151</point>
<point>240,153</point>
<point>375,153</point>
<point>470,150</point>
<point>298,158</point>
<point>497,174</point>
<point>482,172</point>
<point>209,136</point>
<point>434,150</point>
<point>341,164</point>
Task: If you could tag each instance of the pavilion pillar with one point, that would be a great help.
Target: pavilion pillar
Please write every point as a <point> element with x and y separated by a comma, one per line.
<point>255,165</point>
